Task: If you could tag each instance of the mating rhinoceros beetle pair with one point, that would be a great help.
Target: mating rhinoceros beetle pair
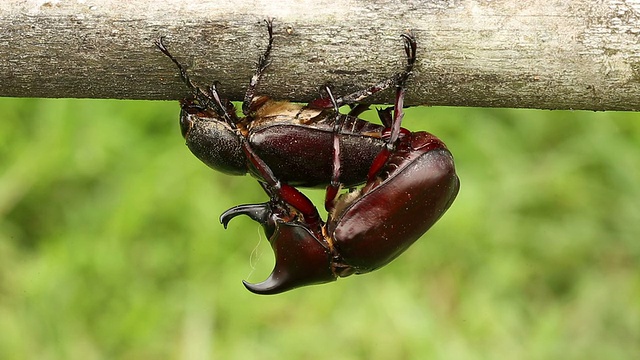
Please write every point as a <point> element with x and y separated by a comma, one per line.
<point>409,177</point>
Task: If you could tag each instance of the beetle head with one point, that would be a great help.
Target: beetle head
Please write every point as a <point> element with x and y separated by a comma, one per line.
<point>301,259</point>
<point>211,139</point>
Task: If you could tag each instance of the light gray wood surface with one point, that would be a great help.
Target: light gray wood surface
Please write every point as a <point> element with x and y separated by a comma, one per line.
<point>569,54</point>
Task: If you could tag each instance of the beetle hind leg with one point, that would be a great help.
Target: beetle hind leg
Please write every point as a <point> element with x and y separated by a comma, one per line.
<point>394,124</point>
<point>399,78</point>
<point>263,62</point>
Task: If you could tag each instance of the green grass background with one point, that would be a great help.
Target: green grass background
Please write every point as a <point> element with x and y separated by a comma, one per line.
<point>110,245</point>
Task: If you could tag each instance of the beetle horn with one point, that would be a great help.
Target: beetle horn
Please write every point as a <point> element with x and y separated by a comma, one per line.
<point>257,212</point>
<point>300,260</point>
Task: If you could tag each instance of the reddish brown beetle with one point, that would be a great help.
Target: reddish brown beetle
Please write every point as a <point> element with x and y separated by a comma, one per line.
<point>410,185</point>
<point>213,131</point>
<point>410,177</point>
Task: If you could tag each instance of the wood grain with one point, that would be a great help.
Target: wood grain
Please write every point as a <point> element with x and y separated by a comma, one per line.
<point>570,54</point>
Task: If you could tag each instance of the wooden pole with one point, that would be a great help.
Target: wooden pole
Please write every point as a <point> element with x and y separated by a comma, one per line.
<point>571,54</point>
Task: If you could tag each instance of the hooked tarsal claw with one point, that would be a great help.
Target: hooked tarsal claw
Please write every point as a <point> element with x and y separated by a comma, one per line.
<point>301,259</point>
<point>257,212</point>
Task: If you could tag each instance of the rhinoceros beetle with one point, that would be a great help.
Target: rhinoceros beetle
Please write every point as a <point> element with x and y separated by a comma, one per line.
<point>410,177</point>
<point>410,184</point>
<point>295,140</point>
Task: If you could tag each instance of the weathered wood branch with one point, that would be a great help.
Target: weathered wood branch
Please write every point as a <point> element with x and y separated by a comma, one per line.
<point>571,54</point>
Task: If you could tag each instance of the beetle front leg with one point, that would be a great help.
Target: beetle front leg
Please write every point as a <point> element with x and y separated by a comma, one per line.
<point>263,62</point>
<point>205,100</point>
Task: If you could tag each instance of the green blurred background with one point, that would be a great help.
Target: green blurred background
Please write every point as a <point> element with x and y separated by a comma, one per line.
<point>110,245</point>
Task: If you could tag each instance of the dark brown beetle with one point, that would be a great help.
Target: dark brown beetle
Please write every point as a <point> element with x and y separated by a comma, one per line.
<point>295,140</point>
<point>410,184</point>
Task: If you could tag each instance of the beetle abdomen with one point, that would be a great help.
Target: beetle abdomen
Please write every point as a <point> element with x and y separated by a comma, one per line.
<point>417,186</point>
<point>276,143</point>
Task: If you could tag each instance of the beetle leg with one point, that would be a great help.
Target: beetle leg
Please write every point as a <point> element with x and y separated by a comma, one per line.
<point>385,116</point>
<point>399,78</point>
<point>263,62</point>
<point>401,87</point>
<point>183,71</point>
<point>213,91</point>
<point>334,185</point>
<point>325,102</point>
<point>202,97</point>
<point>283,192</point>
<point>398,113</point>
<point>197,92</point>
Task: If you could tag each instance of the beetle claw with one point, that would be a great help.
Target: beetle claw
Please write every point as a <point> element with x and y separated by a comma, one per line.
<point>258,212</point>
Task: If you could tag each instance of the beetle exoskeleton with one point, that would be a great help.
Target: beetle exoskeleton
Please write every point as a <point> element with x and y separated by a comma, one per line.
<point>410,179</point>
<point>367,228</point>
<point>410,184</point>
<point>294,139</point>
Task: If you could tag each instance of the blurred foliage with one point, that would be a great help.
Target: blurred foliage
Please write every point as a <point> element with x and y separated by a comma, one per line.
<point>110,245</point>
